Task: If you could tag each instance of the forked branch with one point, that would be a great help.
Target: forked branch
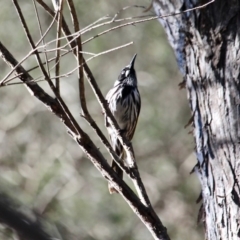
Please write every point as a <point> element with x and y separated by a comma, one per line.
<point>134,173</point>
<point>141,206</point>
<point>148,216</point>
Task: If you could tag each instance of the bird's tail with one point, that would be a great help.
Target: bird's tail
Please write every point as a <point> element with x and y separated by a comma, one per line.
<point>120,152</point>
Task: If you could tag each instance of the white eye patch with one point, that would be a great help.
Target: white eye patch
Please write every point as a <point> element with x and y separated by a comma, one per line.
<point>127,73</point>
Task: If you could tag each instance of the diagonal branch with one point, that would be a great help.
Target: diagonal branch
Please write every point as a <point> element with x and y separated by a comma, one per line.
<point>5,79</point>
<point>35,51</point>
<point>135,176</point>
<point>58,97</point>
<point>38,79</point>
<point>147,215</point>
<point>80,61</point>
<point>41,34</point>
<point>58,44</point>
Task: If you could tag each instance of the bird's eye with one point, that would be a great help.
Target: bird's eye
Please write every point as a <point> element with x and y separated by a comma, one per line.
<point>125,73</point>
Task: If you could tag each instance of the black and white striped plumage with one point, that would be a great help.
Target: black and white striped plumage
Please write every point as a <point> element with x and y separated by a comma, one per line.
<point>125,103</point>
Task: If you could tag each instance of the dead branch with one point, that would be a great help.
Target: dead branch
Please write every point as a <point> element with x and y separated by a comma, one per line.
<point>141,206</point>
<point>135,176</point>
<point>58,44</point>
<point>147,216</point>
<point>41,33</point>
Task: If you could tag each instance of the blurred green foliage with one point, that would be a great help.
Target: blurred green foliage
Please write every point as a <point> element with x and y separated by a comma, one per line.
<point>42,167</point>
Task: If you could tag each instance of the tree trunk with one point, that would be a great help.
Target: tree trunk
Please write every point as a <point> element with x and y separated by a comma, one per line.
<point>206,44</point>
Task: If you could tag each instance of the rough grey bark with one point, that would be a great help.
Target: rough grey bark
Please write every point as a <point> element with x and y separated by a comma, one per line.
<point>206,44</point>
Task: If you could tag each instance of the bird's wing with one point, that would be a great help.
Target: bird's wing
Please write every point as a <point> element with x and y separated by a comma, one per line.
<point>136,112</point>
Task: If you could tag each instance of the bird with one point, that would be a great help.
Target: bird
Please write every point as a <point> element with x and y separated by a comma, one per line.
<point>124,102</point>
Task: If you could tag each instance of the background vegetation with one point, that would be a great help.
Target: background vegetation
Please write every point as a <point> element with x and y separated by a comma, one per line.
<point>43,168</point>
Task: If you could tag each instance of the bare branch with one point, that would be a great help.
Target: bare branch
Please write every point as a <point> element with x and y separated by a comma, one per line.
<point>82,63</point>
<point>41,34</point>
<point>59,99</point>
<point>58,44</point>
<point>30,53</point>
<point>145,20</point>
<point>148,216</point>
<point>135,176</point>
<point>89,59</point>
<point>29,37</point>
<point>79,60</point>
<point>68,73</point>
<point>123,9</point>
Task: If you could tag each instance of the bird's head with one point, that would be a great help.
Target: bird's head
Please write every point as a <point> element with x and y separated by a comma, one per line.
<point>128,74</point>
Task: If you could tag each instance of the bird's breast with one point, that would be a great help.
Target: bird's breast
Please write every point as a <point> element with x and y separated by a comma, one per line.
<point>123,105</point>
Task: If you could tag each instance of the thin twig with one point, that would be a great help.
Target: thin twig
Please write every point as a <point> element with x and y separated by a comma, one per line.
<point>85,112</point>
<point>57,61</point>
<point>76,68</point>
<point>146,20</point>
<point>89,59</point>
<point>79,58</point>
<point>153,223</point>
<point>126,144</point>
<point>147,216</point>
<point>97,21</point>
<point>30,53</point>
<point>31,69</point>
<point>32,44</point>
<point>58,97</point>
<point>41,34</point>
<point>123,9</point>
<point>81,62</point>
<point>70,72</point>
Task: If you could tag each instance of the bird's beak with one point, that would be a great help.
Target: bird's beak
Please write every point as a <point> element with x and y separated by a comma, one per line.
<point>132,61</point>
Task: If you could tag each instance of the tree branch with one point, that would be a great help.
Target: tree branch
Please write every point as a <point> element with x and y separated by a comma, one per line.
<point>135,176</point>
<point>146,214</point>
<point>58,44</point>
